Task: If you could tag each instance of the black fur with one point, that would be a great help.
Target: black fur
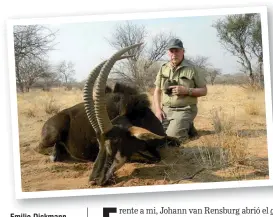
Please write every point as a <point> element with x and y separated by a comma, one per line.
<point>71,133</point>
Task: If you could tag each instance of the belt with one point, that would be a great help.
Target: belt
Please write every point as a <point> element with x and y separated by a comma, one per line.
<point>174,107</point>
<point>180,108</point>
<point>177,108</point>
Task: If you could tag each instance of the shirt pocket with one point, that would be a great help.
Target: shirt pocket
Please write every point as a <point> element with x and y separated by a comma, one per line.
<point>186,79</point>
<point>164,78</point>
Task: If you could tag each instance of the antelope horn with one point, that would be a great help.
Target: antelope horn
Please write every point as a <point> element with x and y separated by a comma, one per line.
<point>88,94</point>
<point>100,103</point>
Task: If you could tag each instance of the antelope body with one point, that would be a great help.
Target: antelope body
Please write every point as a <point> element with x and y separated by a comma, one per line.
<point>109,129</point>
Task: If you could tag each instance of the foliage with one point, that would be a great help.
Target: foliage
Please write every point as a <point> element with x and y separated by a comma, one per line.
<point>31,45</point>
<point>143,67</point>
<point>241,35</point>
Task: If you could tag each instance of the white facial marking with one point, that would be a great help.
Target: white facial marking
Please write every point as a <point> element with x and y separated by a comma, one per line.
<point>108,147</point>
<point>118,162</point>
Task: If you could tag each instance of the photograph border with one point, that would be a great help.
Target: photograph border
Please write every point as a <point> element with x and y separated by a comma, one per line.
<point>19,194</point>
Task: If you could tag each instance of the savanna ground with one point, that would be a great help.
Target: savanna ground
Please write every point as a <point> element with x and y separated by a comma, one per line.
<point>231,146</point>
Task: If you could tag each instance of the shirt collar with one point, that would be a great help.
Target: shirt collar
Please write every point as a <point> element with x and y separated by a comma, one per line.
<point>184,62</point>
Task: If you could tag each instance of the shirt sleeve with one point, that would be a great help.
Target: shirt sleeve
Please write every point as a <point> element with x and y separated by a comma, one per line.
<point>158,78</point>
<point>199,77</point>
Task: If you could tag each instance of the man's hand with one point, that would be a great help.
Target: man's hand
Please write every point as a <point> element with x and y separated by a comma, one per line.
<point>160,114</point>
<point>179,90</point>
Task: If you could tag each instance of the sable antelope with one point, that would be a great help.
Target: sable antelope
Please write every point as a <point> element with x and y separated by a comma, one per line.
<point>122,124</point>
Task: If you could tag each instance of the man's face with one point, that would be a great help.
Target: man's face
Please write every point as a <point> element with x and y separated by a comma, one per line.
<point>176,55</point>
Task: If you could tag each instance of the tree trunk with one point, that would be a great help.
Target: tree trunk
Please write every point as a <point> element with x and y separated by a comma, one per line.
<point>249,67</point>
<point>261,74</point>
<point>211,81</point>
<point>251,78</point>
<point>18,77</point>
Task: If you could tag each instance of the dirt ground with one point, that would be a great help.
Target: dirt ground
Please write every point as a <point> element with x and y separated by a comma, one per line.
<point>232,144</point>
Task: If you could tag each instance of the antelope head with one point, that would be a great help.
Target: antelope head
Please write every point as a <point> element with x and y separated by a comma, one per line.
<point>118,139</point>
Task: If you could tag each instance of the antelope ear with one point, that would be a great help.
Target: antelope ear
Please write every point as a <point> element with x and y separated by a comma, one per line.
<point>143,134</point>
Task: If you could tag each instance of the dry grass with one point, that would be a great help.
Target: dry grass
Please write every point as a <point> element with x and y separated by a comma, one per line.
<point>254,103</point>
<point>38,103</point>
<point>51,107</point>
<point>225,147</point>
<point>30,111</point>
<point>232,143</point>
<point>252,109</point>
<point>222,122</point>
<point>220,151</point>
<point>237,124</point>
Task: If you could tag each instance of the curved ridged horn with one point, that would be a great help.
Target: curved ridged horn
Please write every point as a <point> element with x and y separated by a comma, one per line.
<point>100,104</point>
<point>88,95</point>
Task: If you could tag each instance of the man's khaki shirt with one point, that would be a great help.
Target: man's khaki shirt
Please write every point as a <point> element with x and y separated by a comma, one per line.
<point>186,75</point>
